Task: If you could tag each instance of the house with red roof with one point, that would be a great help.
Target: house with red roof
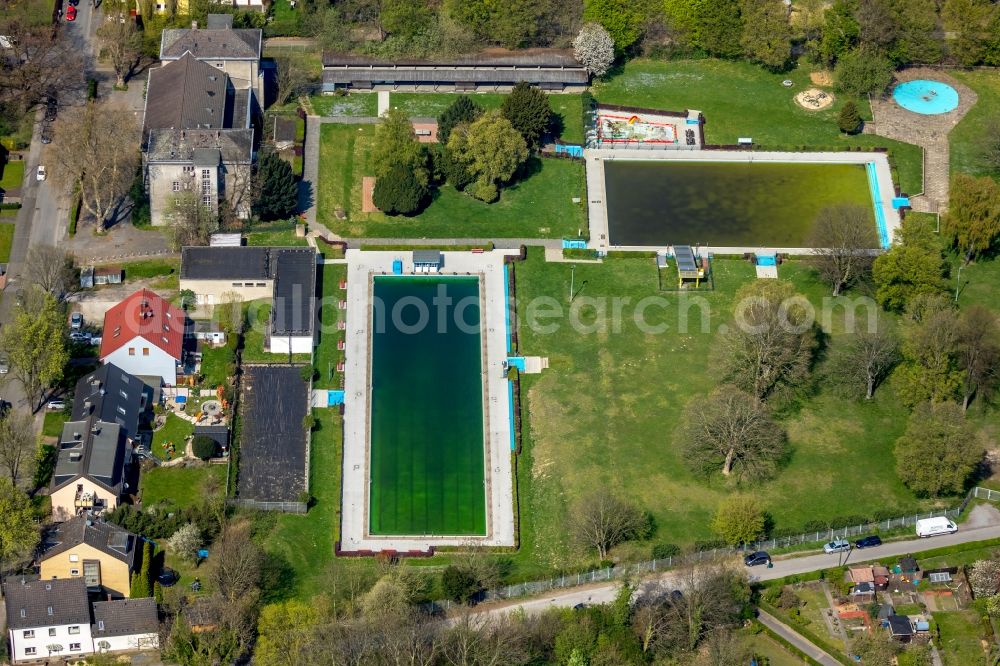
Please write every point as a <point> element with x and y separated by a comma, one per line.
<point>144,336</point>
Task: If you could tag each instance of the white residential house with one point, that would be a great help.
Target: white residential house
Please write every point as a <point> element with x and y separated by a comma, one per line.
<point>144,336</point>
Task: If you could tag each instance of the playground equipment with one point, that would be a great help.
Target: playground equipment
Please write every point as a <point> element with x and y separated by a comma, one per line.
<point>688,265</point>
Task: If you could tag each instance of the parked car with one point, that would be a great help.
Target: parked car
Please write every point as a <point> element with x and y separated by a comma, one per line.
<point>46,136</point>
<point>71,13</point>
<point>868,542</point>
<point>55,405</point>
<point>40,174</point>
<point>51,108</point>
<point>80,336</point>
<point>19,296</point>
<point>755,559</point>
<point>76,321</point>
<point>837,546</point>
<point>4,363</point>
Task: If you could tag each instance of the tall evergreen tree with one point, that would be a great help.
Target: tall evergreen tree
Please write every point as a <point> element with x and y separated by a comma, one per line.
<point>279,190</point>
<point>528,110</point>
<point>462,110</point>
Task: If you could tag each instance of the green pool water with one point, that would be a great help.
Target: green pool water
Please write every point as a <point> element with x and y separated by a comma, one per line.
<point>427,466</point>
<point>726,204</point>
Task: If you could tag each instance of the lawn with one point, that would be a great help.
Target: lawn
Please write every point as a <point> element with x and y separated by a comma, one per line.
<point>258,318</point>
<point>540,206</point>
<point>606,414</point>
<point>959,644</point>
<point>743,100</point>
<point>776,654</point>
<point>175,431</point>
<point>353,104</point>
<point>966,139</point>
<point>282,235</point>
<point>183,486</point>
<point>6,240</point>
<point>13,175</point>
<point>327,355</point>
<point>215,363</point>
<point>168,269</point>
<point>430,105</point>
<point>53,424</point>
<point>305,543</point>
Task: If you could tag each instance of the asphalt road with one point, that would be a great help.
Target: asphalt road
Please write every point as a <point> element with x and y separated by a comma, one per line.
<point>983,523</point>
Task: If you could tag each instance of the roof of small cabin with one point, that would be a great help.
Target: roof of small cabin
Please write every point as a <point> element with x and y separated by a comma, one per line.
<point>899,625</point>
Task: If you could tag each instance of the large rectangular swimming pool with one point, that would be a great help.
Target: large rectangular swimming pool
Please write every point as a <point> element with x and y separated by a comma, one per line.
<point>726,204</point>
<point>427,435</point>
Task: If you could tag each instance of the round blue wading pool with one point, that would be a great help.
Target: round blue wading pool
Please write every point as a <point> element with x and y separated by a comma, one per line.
<point>926,97</point>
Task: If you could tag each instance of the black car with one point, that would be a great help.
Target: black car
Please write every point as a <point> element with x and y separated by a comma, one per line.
<point>754,559</point>
<point>868,542</point>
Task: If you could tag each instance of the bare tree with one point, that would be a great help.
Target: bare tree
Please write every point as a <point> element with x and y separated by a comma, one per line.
<point>865,360</point>
<point>843,240</point>
<point>191,221</point>
<point>50,268</point>
<point>978,352</point>
<point>17,444</point>
<point>724,647</point>
<point>771,343</point>
<point>732,431</point>
<point>483,640</point>
<point>37,64</point>
<point>98,155</point>
<point>292,76</point>
<point>601,520</point>
<point>236,566</point>
<point>121,42</point>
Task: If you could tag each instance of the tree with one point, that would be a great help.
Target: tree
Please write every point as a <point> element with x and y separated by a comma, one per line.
<point>984,577</point>
<point>396,144</point>
<point>459,584</point>
<point>44,64</point>
<point>278,197</point>
<point>121,42</point>
<point>740,520</point>
<point>725,648</point>
<point>930,347</point>
<point>391,596</point>
<point>840,30</point>
<point>98,155</point>
<point>36,344</point>
<point>602,520</point>
<point>286,632</point>
<point>399,192</point>
<point>767,36</point>
<point>914,265</point>
<point>843,240</point>
<point>236,563</point>
<point>291,76</point>
<point>140,583</point>
<point>527,108</point>
<point>593,48</point>
<point>622,19</point>
<point>865,360</point>
<point>731,432</point>
<point>18,534</point>
<point>861,72</point>
<point>462,110</point>
<point>191,221</point>
<point>203,447</point>
<point>879,28</point>
<point>991,143</point>
<point>849,118</point>
<point>50,268</point>
<point>968,21</point>
<point>769,347</point>
<point>875,648</point>
<point>186,542</point>
<point>492,151</point>
<point>978,352</point>
<point>973,217</point>
<point>18,444</point>
<point>939,450</point>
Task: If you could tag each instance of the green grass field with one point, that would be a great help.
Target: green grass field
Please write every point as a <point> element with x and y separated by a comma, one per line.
<point>6,240</point>
<point>354,104</point>
<point>280,236</point>
<point>13,175</point>
<point>743,100</point>
<point>540,206</point>
<point>606,414</point>
<point>426,425</point>
<point>215,363</point>
<point>175,431</point>
<point>327,355</point>
<point>966,139</point>
<point>960,632</point>
<point>182,486</point>
<point>258,318</point>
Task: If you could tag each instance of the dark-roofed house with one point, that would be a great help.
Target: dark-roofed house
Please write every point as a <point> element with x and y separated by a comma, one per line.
<point>125,625</point>
<point>197,126</point>
<point>900,627</point>
<point>112,395</point>
<point>47,618</point>
<point>274,439</point>
<point>554,70</point>
<point>283,134</point>
<point>286,275</point>
<point>102,554</point>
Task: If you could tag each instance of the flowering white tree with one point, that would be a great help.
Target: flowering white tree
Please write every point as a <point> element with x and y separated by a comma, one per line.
<point>185,542</point>
<point>984,577</point>
<point>594,48</point>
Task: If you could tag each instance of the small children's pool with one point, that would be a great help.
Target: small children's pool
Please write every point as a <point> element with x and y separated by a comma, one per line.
<point>926,97</point>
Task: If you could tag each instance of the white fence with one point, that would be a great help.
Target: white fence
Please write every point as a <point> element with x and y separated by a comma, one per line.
<point>285,507</point>
<point>651,566</point>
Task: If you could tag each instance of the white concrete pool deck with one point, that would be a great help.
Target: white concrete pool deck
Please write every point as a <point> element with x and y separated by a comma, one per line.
<point>596,193</point>
<point>362,266</point>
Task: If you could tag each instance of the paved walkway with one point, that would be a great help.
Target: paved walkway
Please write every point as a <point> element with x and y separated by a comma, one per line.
<point>929,132</point>
<point>796,639</point>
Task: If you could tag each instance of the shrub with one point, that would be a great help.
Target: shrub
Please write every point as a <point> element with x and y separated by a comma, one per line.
<point>662,551</point>
<point>399,192</point>
<point>849,119</point>
<point>185,542</point>
<point>788,600</point>
<point>203,447</point>
<point>861,72</point>
<point>459,584</point>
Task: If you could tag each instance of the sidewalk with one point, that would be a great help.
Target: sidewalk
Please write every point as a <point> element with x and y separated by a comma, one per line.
<point>796,639</point>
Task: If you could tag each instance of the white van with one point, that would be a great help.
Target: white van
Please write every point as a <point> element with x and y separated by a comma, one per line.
<point>929,527</point>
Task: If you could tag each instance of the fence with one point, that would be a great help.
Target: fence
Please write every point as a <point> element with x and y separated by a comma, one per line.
<point>652,566</point>
<point>285,507</point>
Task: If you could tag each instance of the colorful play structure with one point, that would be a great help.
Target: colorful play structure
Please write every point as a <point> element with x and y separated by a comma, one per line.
<point>619,128</point>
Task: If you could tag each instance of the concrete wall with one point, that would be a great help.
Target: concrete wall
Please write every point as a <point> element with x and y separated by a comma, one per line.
<point>114,572</point>
<point>128,643</point>
<point>42,639</point>
<point>157,362</point>
<point>64,499</point>
<point>214,292</point>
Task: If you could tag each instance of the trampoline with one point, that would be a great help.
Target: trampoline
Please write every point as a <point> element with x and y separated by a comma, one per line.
<point>928,98</point>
